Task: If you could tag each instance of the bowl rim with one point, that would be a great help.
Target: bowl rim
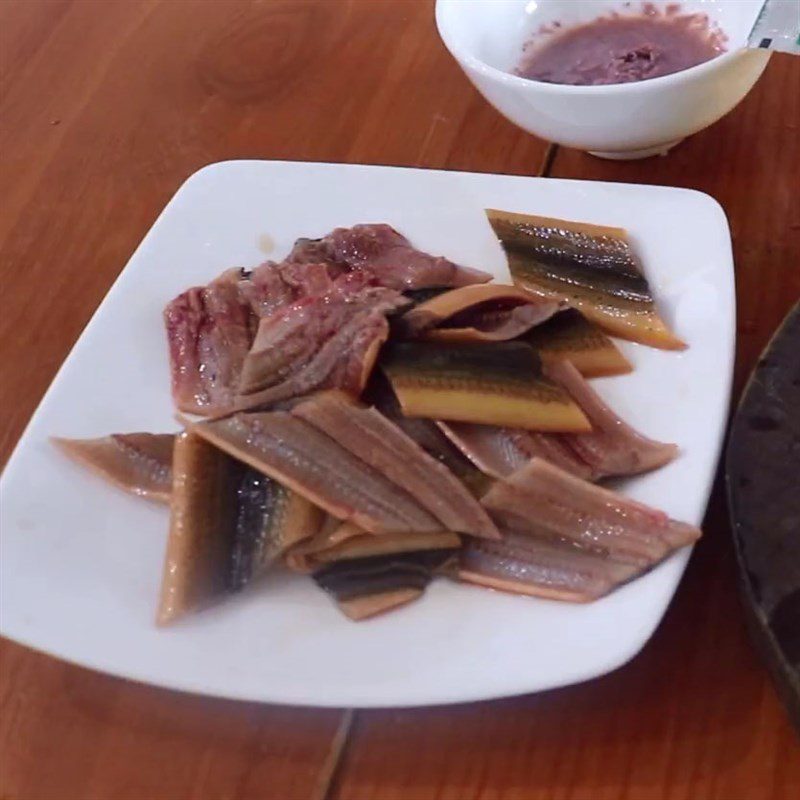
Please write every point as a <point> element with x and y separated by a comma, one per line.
<point>465,57</point>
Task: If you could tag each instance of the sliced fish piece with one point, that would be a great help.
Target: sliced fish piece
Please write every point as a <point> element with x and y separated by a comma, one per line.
<point>427,435</point>
<point>367,545</point>
<point>591,267</point>
<point>430,438</point>
<point>352,579</point>
<point>299,456</point>
<point>493,384</point>
<point>389,257</point>
<point>308,556</point>
<point>270,519</point>
<point>140,463</point>
<point>612,448</point>
<point>344,361</point>
<point>313,251</point>
<point>569,336</point>
<point>334,532</point>
<point>482,312</point>
<point>369,436</point>
<point>270,286</point>
<point>228,524</point>
<point>544,499</point>
<point>209,329</point>
<point>202,526</point>
<point>358,576</point>
<point>329,340</point>
<point>499,451</point>
<point>338,531</point>
<point>524,564</point>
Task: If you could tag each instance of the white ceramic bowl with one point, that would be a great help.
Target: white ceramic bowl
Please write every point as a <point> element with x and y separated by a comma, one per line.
<point>630,120</point>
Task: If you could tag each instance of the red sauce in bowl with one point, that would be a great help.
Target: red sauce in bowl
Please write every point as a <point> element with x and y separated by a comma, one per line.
<point>623,49</point>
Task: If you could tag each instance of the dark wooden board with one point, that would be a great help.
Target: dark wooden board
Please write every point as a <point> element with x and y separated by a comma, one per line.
<point>763,472</point>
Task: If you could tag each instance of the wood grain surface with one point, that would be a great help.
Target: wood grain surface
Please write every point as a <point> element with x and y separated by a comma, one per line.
<point>106,106</point>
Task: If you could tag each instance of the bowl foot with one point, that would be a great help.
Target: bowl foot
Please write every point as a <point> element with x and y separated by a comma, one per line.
<point>629,155</point>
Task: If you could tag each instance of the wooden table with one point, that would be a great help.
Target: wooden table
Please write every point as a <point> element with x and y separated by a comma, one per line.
<point>106,106</point>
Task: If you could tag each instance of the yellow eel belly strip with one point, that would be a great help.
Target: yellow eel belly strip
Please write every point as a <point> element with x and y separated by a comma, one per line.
<point>592,268</point>
<point>494,384</point>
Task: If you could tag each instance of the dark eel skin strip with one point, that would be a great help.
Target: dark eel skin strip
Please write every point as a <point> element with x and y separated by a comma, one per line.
<point>375,574</point>
<point>228,524</point>
<point>299,456</point>
<point>497,383</point>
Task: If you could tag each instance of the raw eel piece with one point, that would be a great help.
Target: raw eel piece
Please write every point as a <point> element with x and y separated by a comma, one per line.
<point>370,605</point>
<point>499,451</point>
<point>369,436</point>
<point>591,267</point>
<point>309,555</point>
<point>363,587</point>
<point>496,383</point>
<point>545,500</point>
<point>483,312</point>
<point>228,525</point>
<point>427,435</point>
<point>389,257</point>
<point>569,336</point>
<point>612,448</point>
<point>270,286</point>
<point>334,532</point>
<point>303,458</point>
<point>270,520</point>
<point>525,564</point>
<point>327,340</point>
<point>140,463</point>
<point>209,329</point>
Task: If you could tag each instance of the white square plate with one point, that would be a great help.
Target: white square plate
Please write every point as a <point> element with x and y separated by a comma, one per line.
<point>80,562</point>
